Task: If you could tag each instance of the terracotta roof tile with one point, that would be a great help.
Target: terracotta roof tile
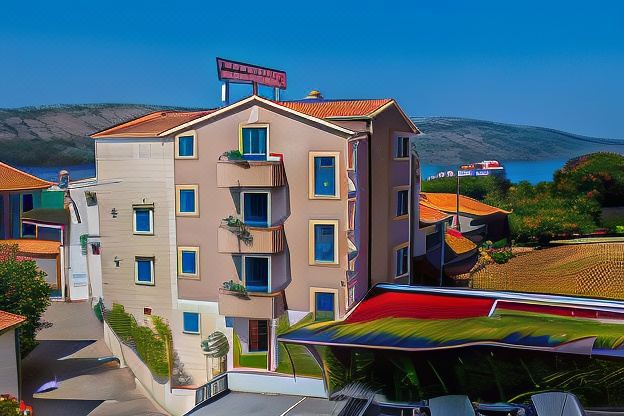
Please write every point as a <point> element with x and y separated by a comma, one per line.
<point>336,108</point>
<point>431,215</point>
<point>458,243</point>
<point>28,246</point>
<point>448,203</point>
<point>9,320</point>
<point>12,179</point>
<point>151,125</point>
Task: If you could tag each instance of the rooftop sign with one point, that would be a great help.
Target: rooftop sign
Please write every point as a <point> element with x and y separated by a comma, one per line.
<point>250,74</point>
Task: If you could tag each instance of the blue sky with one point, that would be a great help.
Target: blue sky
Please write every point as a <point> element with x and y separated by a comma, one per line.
<point>557,64</point>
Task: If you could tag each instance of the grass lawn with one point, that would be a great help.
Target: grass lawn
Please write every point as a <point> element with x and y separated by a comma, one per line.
<point>305,364</point>
<point>250,360</point>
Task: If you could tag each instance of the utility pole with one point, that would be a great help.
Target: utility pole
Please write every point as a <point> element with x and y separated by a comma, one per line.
<point>457,203</point>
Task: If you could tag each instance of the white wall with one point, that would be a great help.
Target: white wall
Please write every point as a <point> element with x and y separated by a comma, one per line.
<point>8,364</point>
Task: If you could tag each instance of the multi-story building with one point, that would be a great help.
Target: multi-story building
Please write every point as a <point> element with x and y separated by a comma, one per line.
<point>254,215</point>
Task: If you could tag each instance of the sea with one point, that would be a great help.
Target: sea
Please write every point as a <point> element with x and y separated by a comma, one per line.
<point>515,170</point>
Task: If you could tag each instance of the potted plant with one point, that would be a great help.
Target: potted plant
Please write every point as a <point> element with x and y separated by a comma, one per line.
<point>236,288</point>
<point>237,227</point>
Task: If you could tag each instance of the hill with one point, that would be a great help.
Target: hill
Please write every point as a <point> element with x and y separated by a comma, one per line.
<point>451,141</point>
<point>57,135</point>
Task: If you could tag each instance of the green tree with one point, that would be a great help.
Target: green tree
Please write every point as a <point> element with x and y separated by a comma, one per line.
<point>23,291</point>
<point>474,187</point>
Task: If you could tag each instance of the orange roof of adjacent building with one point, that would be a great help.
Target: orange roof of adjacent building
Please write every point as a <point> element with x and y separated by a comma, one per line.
<point>336,108</point>
<point>431,215</point>
<point>9,320</point>
<point>29,246</point>
<point>448,203</point>
<point>12,179</point>
<point>458,243</point>
<point>152,124</point>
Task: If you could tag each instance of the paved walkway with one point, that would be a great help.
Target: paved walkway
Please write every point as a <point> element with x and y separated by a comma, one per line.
<point>71,321</point>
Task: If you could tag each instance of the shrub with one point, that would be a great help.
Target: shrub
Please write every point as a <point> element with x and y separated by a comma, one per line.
<point>120,322</point>
<point>500,256</point>
<point>23,291</point>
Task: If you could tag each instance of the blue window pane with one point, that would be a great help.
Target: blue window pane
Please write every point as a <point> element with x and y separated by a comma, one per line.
<point>324,243</point>
<point>189,265</point>
<point>324,306</point>
<point>257,274</point>
<point>142,220</point>
<point>402,257</point>
<point>324,176</point>
<point>185,145</point>
<point>256,209</point>
<point>254,143</point>
<point>144,270</point>
<point>229,322</point>
<point>27,202</point>
<point>187,200</point>
<point>402,202</point>
<point>191,322</point>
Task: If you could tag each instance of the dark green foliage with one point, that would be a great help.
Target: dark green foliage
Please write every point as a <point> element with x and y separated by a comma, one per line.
<point>23,291</point>
<point>474,187</point>
<point>500,256</point>
<point>97,309</point>
<point>9,407</point>
<point>152,345</point>
<point>598,176</point>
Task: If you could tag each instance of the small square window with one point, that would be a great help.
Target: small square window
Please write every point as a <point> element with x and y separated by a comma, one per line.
<point>402,261</point>
<point>185,146</point>
<point>402,203</point>
<point>188,261</point>
<point>144,270</point>
<point>402,147</point>
<point>254,142</point>
<point>29,230</point>
<point>143,220</point>
<point>191,322</point>
<point>187,203</point>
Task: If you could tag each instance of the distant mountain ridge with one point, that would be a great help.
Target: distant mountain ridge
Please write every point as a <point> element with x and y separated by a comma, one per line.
<point>58,136</point>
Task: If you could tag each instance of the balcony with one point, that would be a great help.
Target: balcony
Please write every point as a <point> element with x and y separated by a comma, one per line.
<point>262,240</point>
<point>254,305</point>
<point>241,173</point>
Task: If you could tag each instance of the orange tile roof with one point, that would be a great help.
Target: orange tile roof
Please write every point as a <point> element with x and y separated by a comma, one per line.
<point>336,108</point>
<point>448,203</point>
<point>12,179</point>
<point>9,320</point>
<point>431,215</point>
<point>152,124</point>
<point>458,243</point>
<point>28,246</point>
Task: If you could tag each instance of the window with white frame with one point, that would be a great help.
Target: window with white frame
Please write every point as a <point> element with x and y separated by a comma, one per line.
<point>144,271</point>
<point>191,322</point>
<point>186,146</point>
<point>257,273</point>
<point>143,220</point>
<point>402,147</point>
<point>402,261</point>
<point>254,142</point>
<point>402,202</point>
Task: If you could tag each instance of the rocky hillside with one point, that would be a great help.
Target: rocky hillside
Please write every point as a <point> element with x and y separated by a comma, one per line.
<point>57,136</point>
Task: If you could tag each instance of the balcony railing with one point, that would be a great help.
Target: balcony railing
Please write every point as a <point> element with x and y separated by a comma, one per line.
<point>254,305</point>
<point>239,173</point>
<point>263,240</point>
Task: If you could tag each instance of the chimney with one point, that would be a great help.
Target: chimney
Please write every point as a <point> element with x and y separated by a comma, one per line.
<point>314,95</point>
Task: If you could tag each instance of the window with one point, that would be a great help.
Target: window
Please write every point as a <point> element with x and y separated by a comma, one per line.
<point>143,220</point>
<point>256,208</point>
<point>256,273</point>
<point>258,336</point>
<point>186,201</point>
<point>324,175</point>
<point>352,156</point>
<point>323,242</point>
<point>186,146</point>
<point>402,203</point>
<point>402,147</point>
<point>254,143</point>
<point>402,261</point>
<point>351,296</point>
<point>29,230</point>
<point>144,270</point>
<point>324,306</point>
<point>27,202</point>
<point>188,261</point>
<point>190,321</point>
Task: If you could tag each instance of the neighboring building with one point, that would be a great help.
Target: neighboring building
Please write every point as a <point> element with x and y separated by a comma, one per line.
<point>33,215</point>
<point>287,199</point>
<point>10,361</point>
<point>477,221</point>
